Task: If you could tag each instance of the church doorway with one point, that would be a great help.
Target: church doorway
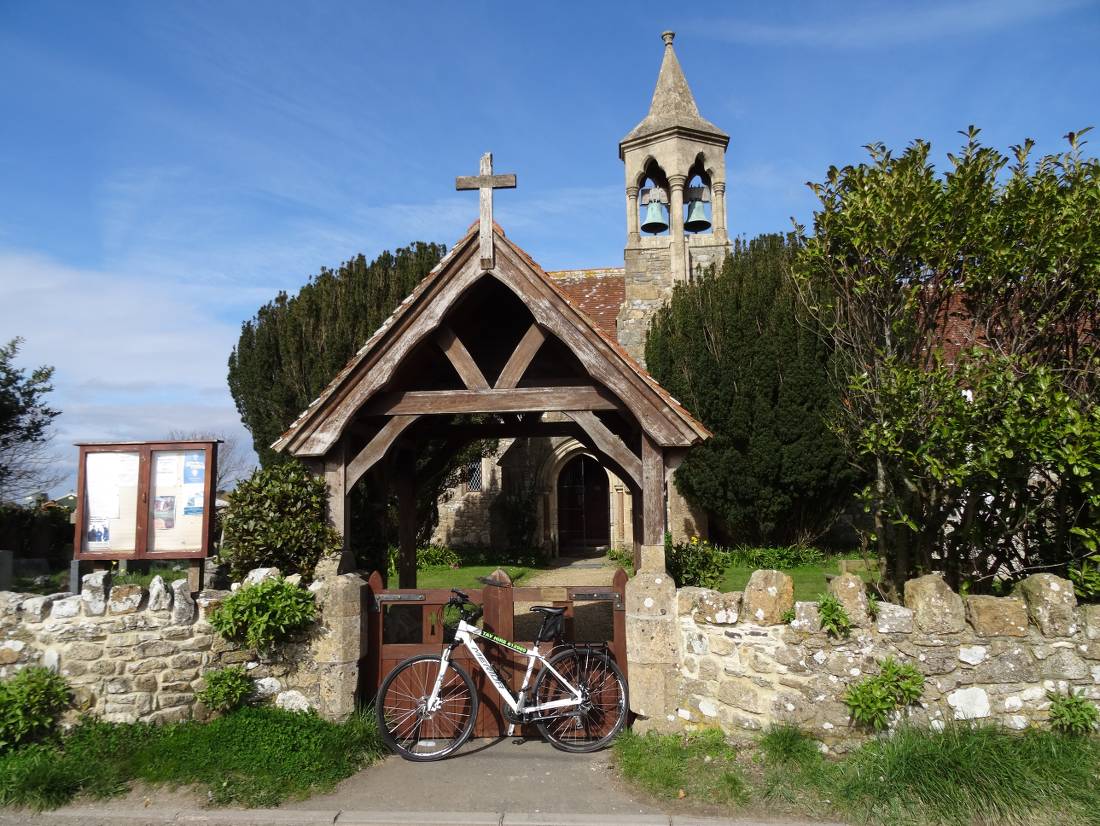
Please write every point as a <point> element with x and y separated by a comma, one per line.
<point>584,515</point>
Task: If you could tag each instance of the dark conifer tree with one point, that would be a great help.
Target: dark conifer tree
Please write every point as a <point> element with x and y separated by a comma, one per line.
<point>732,347</point>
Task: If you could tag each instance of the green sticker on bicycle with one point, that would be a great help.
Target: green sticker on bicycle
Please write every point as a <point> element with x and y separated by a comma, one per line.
<point>501,641</point>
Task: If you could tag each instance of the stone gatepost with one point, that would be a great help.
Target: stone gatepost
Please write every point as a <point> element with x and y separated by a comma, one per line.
<point>652,643</point>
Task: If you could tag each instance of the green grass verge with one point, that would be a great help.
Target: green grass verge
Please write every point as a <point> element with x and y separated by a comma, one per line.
<point>253,757</point>
<point>809,580</point>
<point>468,576</point>
<point>957,777</point>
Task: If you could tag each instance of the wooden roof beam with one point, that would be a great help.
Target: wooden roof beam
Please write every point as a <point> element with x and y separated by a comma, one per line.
<point>461,360</point>
<point>376,448</point>
<point>516,400</point>
<point>608,443</point>
<point>521,358</point>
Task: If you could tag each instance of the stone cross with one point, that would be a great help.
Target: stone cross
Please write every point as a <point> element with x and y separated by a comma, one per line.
<point>486,182</point>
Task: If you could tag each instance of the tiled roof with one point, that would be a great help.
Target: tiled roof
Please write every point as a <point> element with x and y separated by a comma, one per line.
<point>598,293</point>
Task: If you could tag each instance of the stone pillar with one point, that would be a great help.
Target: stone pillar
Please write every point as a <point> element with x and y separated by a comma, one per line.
<point>718,211</point>
<point>338,649</point>
<point>677,248</point>
<point>633,233</point>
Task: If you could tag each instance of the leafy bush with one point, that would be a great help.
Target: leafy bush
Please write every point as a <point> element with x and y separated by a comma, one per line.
<point>277,518</point>
<point>30,704</point>
<point>1086,578</point>
<point>1070,713</point>
<point>264,614</point>
<point>834,619</point>
<point>870,701</point>
<point>226,689</point>
<point>695,563</point>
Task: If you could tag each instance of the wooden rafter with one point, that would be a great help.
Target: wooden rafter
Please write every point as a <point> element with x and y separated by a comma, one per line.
<point>516,400</point>
<point>376,448</point>
<point>521,358</point>
<point>461,360</point>
<point>608,443</point>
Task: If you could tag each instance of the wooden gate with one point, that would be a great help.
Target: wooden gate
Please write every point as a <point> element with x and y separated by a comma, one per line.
<point>404,622</point>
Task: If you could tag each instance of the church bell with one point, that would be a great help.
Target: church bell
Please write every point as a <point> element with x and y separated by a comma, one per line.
<point>655,220</point>
<point>697,217</point>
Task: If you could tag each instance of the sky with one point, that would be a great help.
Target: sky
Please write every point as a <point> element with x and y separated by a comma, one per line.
<point>166,168</point>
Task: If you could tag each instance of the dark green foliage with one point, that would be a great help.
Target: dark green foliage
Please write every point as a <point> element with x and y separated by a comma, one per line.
<point>834,619</point>
<point>871,700</point>
<point>30,704</point>
<point>226,689</point>
<point>277,518</point>
<point>1070,713</point>
<point>294,345</point>
<point>38,530</point>
<point>732,347</point>
<point>1086,578</point>
<point>695,563</point>
<point>781,558</point>
<point>265,614</point>
<point>24,423</point>
<point>250,757</point>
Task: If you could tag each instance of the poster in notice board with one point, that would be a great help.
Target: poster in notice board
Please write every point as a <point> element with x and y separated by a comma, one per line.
<point>177,500</point>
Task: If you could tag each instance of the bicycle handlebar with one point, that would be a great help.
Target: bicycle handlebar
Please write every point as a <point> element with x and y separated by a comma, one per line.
<point>461,600</point>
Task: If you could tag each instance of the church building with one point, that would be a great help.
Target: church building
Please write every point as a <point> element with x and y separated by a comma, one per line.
<point>556,487</point>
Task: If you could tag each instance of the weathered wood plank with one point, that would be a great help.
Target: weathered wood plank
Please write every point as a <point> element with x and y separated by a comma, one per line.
<point>427,402</point>
<point>463,182</point>
<point>461,360</point>
<point>376,448</point>
<point>521,358</point>
<point>608,442</point>
<point>653,492</point>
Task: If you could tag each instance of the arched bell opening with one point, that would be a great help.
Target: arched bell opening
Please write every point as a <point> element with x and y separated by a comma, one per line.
<point>698,217</point>
<point>653,200</point>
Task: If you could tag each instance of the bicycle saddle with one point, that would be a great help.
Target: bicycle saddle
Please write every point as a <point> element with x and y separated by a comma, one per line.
<point>546,609</point>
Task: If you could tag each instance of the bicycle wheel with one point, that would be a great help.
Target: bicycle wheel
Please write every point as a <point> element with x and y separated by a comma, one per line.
<point>404,721</point>
<point>594,723</point>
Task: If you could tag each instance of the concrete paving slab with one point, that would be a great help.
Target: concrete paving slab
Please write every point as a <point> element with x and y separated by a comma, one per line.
<point>419,818</point>
<point>550,819</point>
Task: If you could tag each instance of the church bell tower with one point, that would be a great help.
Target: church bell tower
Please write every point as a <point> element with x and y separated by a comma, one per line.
<point>675,200</point>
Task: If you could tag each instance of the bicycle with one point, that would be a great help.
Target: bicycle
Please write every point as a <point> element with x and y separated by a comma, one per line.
<point>427,705</point>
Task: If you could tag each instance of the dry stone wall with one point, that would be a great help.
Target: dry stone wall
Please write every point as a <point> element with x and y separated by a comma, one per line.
<point>134,654</point>
<point>742,666</point>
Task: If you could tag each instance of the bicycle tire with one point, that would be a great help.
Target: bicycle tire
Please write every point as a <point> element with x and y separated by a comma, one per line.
<point>591,728</point>
<point>399,708</point>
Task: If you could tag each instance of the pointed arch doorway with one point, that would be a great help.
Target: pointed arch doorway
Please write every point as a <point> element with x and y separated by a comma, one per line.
<point>584,507</point>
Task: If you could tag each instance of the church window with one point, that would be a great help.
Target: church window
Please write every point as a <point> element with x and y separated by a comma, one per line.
<point>473,477</point>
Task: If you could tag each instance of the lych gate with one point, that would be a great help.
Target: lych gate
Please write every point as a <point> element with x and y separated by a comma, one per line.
<point>488,347</point>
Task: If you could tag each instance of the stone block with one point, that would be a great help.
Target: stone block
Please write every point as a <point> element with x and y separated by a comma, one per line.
<point>209,601</point>
<point>170,715</point>
<point>10,603</point>
<point>84,651</point>
<point>183,606</point>
<point>893,619</point>
<point>258,575</point>
<point>741,694</point>
<point>1063,664</point>
<point>851,591</point>
<point>997,616</point>
<point>293,701</point>
<point>186,660</point>
<point>160,598</point>
<point>806,618</point>
<point>1051,604</point>
<point>1090,619</point>
<point>125,599</point>
<point>36,609</point>
<point>11,651</point>
<point>969,703</point>
<point>768,596</point>
<point>268,687</point>
<point>66,607</point>
<point>709,607</point>
<point>1014,664</point>
<point>93,590</point>
<point>973,654</point>
<point>936,608</point>
<point>344,597</point>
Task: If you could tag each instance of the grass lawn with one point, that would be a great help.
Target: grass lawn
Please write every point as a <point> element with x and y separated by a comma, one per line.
<point>960,776</point>
<point>253,757</point>
<point>442,576</point>
<point>809,580</point>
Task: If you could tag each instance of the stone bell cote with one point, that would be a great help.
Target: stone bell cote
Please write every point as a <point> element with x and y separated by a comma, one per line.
<point>675,163</point>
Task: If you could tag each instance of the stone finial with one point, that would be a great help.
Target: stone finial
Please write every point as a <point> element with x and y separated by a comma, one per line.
<point>1051,604</point>
<point>851,591</point>
<point>936,608</point>
<point>160,598</point>
<point>769,595</point>
<point>668,37</point>
<point>997,616</point>
<point>183,607</point>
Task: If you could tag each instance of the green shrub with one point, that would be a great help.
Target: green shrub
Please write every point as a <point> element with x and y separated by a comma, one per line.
<point>834,619</point>
<point>264,614</point>
<point>1086,578</point>
<point>870,701</point>
<point>277,518</point>
<point>779,558</point>
<point>695,563</point>
<point>30,704</point>
<point>1070,713</point>
<point>226,689</point>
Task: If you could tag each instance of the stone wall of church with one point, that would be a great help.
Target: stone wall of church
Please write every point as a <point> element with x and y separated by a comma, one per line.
<point>134,654</point>
<point>648,286</point>
<point>742,664</point>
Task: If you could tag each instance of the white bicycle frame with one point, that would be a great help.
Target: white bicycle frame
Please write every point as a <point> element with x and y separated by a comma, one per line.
<point>465,634</point>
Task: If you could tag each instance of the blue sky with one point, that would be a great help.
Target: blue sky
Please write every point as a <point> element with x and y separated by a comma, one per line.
<point>168,167</point>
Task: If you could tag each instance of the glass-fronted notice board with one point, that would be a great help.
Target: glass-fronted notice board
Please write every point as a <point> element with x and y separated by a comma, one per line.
<point>142,500</point>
